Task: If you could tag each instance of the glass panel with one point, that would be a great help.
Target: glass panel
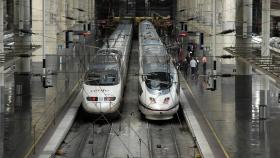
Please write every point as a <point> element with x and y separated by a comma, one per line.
<point>109,77</point>
<point>159,80</point>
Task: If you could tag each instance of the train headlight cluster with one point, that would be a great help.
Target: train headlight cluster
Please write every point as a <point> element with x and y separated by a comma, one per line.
<point>152,100</point>
<point>101,98</point>
<point>166,100</point>
<point>109,98</point>
<point>92,98</point>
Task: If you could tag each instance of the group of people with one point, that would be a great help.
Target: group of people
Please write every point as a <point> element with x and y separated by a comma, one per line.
<point>193,63</point>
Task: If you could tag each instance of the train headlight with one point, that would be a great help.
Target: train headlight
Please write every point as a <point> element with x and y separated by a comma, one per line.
<point>166,100</point>
<point>109,98</point>
<point>92,98</point>
<point>152,100</point>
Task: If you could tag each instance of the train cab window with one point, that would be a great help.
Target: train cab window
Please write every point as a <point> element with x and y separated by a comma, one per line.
<point>102,78</point>
<point>103,74</point>
<point>105,69</point>
<point>159,80</point>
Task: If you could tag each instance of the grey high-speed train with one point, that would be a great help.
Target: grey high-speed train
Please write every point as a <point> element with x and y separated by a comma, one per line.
<point>158,77</point>
<point>104,82</point>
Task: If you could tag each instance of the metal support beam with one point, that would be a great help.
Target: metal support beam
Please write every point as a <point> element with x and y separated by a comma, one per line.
<point>247,17</point>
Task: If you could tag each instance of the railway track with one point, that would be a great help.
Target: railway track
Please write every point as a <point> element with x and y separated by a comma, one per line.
<point>165,139</point>
<point>162,140</point>
<point>87,140</point>
<point>131,135</point>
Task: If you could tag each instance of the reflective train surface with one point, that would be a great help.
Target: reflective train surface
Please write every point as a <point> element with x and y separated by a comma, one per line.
<point>158,78</point>
<point>104,82</point>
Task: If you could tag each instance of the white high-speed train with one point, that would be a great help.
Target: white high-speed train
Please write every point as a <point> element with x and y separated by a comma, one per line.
<point>158,79</point>
<point>104,83</point>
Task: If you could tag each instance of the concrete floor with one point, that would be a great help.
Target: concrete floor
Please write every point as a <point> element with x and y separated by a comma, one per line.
<point>233,113</point>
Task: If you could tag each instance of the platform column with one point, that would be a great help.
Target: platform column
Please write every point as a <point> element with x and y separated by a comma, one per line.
<point>1,83</point>
<point>22,21</point>
<point>92,15</point>
<point>213,44</point>
<point>229,15</point>
<point>243,80</point>
<point>264,89</point>
<point>10,13</point>
<point>243,90</point>
<point>22,37</point>
<point>265,27</point>
<point>243,28</point>
<point>243,23</point>
<point>77,14</point>
<point>1,67</point>
<point>1,108</point>
<point>247,18</point>
<point>2,86</point>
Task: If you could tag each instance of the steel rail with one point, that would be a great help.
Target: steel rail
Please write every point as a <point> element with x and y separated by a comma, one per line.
<point>173,135</point>
<point>149,141</point>
<point>108,141</point>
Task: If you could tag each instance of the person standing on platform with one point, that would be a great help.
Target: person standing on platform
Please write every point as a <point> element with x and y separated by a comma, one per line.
<point>186,67</point>
<point>188,58</point>
<point>204,63</point>
<point>191,53</point>
<point>193,65</point>
<point>187,63</point>
<point>197,64</point>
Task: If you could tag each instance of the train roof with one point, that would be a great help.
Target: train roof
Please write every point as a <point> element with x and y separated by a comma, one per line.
<point>118,37</point>
<point>160,59</point>
<point>155,67</point>
<point>154,55</point>
<point>105,58</point>
<point>148,34</point>
<point>153,49</point>
<point>102,67</point>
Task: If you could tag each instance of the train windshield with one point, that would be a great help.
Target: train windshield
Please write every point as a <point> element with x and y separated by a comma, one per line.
<point>103,77</point>
<point>104,71</point>
<point>159,80</point>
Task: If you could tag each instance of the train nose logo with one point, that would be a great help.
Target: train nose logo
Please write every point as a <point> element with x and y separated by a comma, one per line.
<point>100,90</point>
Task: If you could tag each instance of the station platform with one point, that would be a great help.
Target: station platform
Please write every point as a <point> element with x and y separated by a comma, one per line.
<point>232,113</point>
